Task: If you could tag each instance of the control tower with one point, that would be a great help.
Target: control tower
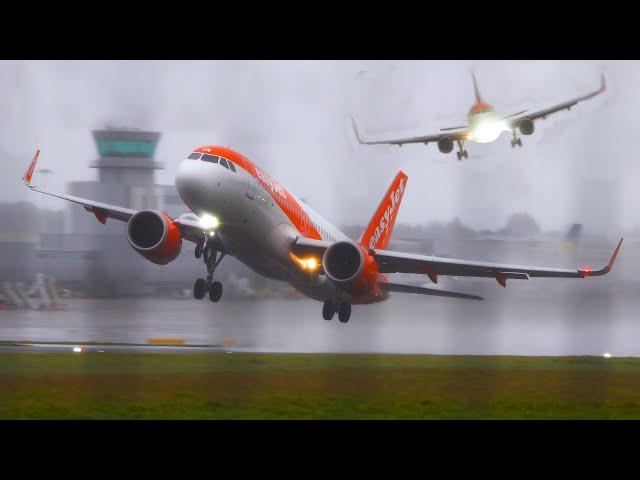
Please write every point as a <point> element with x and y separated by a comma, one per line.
<point>126,177</point>
<point>126,155</point>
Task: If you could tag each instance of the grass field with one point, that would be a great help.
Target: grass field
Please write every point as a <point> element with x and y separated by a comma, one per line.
<point>315,386</point>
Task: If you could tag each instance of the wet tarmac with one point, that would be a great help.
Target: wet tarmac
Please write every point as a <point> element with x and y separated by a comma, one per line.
<point>557,318</point>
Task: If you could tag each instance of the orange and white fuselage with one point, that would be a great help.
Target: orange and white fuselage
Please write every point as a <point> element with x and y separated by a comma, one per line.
<point>485,124</point>
<point>258,220</point>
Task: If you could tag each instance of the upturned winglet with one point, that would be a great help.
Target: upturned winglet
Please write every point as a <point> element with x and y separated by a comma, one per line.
<point>32,166</point>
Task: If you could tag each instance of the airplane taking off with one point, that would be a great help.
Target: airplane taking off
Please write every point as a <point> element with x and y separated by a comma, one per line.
<point>244,212</point>
<point>484,125</point>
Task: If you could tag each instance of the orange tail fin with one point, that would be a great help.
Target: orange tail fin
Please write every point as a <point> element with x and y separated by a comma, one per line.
<point>378,232</point>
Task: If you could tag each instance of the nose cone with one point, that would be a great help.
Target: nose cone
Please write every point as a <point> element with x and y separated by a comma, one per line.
<point>207,188</point>
<point>190,184</point>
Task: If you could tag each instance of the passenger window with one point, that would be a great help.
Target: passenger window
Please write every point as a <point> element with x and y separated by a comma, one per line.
<point>231,166</point>
<point>194,156</point>
<point>224,163</point>
<point>210,158</point>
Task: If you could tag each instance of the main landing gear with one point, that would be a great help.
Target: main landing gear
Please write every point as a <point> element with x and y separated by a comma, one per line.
<point>462,153</point>
<point>515,140</point>
<point>211,260</point>
<point>330,308</point>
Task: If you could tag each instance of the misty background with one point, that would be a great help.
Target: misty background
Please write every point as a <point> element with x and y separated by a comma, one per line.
<point>290,117</point>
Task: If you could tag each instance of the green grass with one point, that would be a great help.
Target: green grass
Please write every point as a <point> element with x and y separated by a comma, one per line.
<point>318,386</point>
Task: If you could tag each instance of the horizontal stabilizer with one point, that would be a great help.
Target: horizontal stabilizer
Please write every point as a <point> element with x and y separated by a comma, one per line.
<point>398,287</point>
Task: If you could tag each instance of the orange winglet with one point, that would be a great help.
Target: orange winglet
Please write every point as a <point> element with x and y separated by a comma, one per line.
<point>100,215</point>
<point>502,280</point>
<point>32,166</point>
<point>586,272</point>
<point>615,254</point>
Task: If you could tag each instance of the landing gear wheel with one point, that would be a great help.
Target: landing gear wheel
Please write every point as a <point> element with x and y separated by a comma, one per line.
<point>344,312</point>
<point>198,252</point>
<point>215,291</point>
<point>200,289</point>
<point>459,155</point>
<point>515,141</point>
<point>465,154</point>
<point>328,310</point>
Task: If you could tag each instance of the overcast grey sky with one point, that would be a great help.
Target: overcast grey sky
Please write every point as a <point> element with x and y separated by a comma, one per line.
<point>290,117</point>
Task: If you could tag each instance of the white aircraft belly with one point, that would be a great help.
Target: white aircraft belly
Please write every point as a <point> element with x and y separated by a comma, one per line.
<point>255,230</point>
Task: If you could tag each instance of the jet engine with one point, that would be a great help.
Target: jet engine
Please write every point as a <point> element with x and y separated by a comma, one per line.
<point>154,236</point>
<point>445,144</point>
<point>350,266</point>
<point>526,126</point>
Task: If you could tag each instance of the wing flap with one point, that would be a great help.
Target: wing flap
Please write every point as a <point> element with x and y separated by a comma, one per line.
<point>101,210</point>
<point>398,287</point>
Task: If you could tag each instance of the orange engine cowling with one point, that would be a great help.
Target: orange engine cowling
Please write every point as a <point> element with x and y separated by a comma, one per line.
<point>350,266</point>
<point>154,236</point>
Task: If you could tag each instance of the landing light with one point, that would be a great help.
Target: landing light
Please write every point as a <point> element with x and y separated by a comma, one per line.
<point>607,355</point>
<point>209,222</point>
<point>77,349</point>
<point>310,263</point>
<point>488,131</point>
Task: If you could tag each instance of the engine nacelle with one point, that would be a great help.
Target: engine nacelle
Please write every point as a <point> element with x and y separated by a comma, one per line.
<point>154,236</point>
<point>445,144</point>
<point>350,266</point>
<point>343,262</point>
<point>526,126</point>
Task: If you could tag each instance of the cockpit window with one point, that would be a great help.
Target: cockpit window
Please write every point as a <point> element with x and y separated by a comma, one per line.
<point>231,166</point>
<point>223,162</point>
<point>210,158</point>
<point>194,156</point>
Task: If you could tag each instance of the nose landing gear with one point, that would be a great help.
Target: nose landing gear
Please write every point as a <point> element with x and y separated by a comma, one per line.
<point>215,291</point>
<point>330,308</point>
<point>211,260</point>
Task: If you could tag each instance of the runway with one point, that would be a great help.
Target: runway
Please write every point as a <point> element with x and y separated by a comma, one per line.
<point>544,319</point>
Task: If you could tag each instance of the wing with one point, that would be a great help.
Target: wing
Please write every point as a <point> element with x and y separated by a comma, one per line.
<point>461,135</point>
<point>190,228</point>
<point>563,106</point>
<point>432,266</point>
<point>397,262</point>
